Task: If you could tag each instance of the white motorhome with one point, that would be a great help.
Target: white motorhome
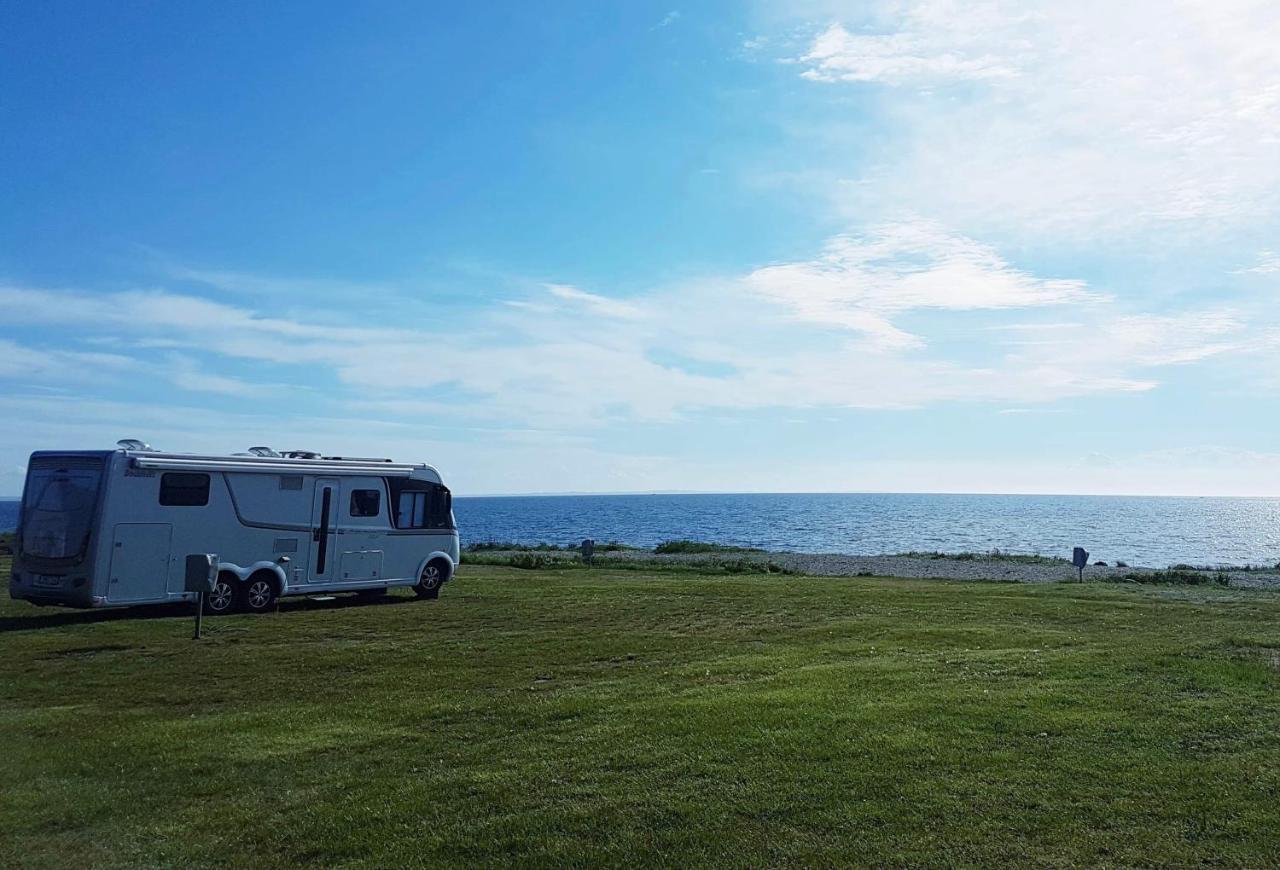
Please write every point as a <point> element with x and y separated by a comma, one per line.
<point>113,528</point>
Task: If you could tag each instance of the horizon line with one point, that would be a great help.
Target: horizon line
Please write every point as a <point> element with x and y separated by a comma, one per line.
<point>652,492</point>
<point>606,493</point>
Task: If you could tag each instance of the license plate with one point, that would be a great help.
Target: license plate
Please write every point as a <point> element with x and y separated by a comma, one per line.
<point>48,582</point>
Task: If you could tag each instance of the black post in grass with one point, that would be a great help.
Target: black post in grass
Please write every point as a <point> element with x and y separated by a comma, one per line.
<point>1080,558</point>
<point>202,572</point>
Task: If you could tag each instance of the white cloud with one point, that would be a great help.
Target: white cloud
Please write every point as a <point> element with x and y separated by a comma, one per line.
<point>1268,264</point>
<point>26,363</point>
<point>819,333</point>
<point>186,374</point>
<point>667,20</point>
<point>838,55</point>
<point>602,305</point>
<point>860,280</point>
<point>1068,120</point>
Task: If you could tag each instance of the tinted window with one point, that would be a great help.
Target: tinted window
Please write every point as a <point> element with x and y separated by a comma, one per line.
<point>365,502</point>
<point>181,489</point>
<point>422,505</point>
<point>57,508</point>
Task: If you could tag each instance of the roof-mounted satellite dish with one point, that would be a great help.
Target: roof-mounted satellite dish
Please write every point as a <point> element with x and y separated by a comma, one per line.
<point>264,451</point>
<point>134,444</point>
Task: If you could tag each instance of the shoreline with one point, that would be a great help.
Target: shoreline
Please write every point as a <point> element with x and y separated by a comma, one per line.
<point>1008,568</point>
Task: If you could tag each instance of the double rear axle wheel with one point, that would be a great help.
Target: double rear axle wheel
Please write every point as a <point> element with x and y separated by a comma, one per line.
<point>258,594</point>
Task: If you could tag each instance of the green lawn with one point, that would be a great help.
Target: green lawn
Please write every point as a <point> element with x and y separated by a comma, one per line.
<point>589,716</point>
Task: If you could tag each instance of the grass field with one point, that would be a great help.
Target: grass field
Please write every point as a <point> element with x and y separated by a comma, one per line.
<point>589,716</point>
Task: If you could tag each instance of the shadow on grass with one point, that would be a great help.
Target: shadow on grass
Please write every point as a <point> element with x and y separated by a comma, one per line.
<point>52,616</point>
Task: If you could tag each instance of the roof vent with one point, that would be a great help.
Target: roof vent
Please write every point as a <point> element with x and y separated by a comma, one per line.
<point>301,454</point>
<point>266,452</point>
<point>134,444</point>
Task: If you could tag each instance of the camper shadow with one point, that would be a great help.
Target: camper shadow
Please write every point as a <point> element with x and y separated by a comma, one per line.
<point>49,618</point>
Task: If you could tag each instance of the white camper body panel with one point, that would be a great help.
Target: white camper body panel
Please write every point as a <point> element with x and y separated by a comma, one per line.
<point>315,525</point>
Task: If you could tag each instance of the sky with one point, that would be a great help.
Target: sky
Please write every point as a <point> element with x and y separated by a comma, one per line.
<point>774,245</point>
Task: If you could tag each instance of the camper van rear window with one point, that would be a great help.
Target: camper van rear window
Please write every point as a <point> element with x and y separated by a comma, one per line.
<point>365,502</point>
<point>182,489</point>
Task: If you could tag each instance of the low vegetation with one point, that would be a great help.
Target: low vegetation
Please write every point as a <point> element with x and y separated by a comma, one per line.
<point>686,546</point>
<point>538,560</point>
<point>507,546</point>
<point>605,716</point>
<point>1180,576</point>
<point>1214,569</point>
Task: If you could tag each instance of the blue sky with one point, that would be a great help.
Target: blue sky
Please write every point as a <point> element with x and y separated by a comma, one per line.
<point>799,246</point>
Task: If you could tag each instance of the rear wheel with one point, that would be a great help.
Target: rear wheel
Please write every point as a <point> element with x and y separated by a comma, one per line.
<point>431,579</point>
<point>258,594</point>
<point>223,597</point>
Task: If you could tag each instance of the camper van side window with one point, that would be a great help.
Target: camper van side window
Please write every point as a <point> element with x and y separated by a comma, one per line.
<point>412,512</point>
<point>180,489</point>
<point>427,508</point>
<point>365,502</point>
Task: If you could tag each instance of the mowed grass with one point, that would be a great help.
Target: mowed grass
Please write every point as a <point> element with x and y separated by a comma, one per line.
<point>593,717</point>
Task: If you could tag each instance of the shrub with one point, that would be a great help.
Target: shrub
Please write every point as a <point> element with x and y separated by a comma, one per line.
<point>686,546</point>
<point>484,546</point>
<point>1181,576</point>
<point>531,561</point>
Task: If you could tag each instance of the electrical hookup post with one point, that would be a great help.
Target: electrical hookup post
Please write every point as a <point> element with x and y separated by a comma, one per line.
<point>1080,558</point>
<point>202,572</point>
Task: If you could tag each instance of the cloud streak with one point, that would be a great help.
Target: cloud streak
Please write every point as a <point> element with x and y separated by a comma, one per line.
<point>818,333</point>
<point>1068,121</point>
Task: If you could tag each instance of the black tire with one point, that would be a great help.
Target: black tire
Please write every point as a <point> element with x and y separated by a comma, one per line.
<point>432,578</point>
<point>222,599</point>
<point>258,593</point>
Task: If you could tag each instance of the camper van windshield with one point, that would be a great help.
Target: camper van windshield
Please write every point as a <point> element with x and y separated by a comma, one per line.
<point>57,510</point>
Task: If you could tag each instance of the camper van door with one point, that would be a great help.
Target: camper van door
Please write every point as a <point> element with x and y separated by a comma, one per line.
<point>324,527</point>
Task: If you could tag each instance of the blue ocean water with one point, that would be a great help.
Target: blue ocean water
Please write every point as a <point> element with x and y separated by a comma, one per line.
<point>1139,530</point>
<point>8,514</point>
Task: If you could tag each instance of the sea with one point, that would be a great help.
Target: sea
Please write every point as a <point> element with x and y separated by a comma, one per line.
<point>1149,531</point>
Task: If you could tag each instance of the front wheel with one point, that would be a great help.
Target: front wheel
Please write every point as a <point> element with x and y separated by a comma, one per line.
<point>430,580</point>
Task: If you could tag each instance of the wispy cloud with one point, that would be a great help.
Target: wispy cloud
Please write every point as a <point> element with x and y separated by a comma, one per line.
<point>1064,120</point>
<point>1268,264</point>
<point>861,280</point>
<point>667,20</point>
<point>907,56</point>
<point>816,333</point>
<point>602,305</point>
